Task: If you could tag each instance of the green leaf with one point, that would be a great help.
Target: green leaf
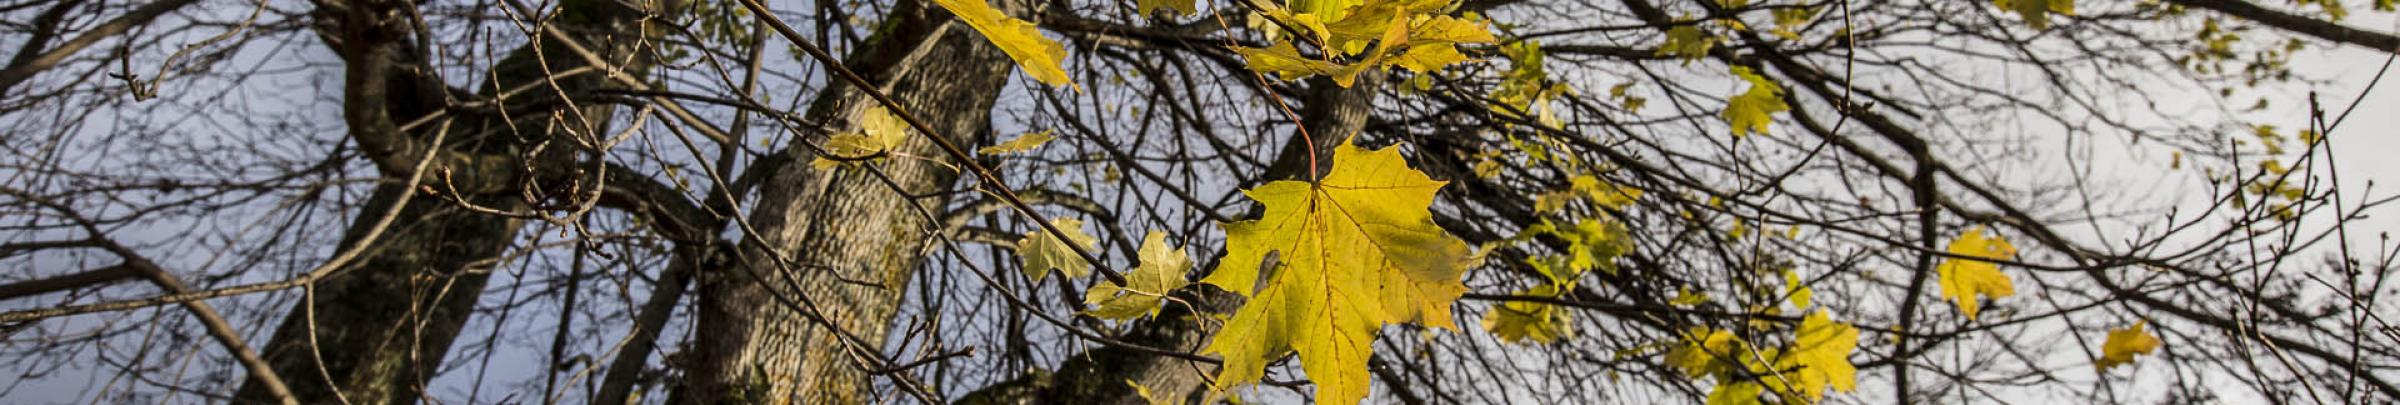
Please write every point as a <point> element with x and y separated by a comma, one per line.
<point>1358,250</point>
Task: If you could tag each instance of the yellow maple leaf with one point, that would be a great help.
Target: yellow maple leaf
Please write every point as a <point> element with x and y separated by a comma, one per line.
<point>1021,143</point>
<point>878,131</point>
<point>1442,29</point>
<point>1040,56</point>
<point>1736,393</point>
<point>1796,291</point>
<point>1371,22</point>
<point>1040,251</point>
<point>1789,20</point>
<point>1754,108</point>
<point>1603,193</point>
<point>1687,41</point>
<point>1964,279</point>
<point>1538,322</point>
<point>1160,272</point>
<point>2125,343</point>
<point>1818,358</point>
<point>1285,61</point>
<point>1428,58</point>
<point>1358,250</point>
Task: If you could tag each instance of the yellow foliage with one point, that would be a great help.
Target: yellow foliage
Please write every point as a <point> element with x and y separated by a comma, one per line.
<point>1358,250</point>
<point>1285,61</point>
<point>878,131</point>
<point>1160,272</point>
<point>1021,143</point>
<point>1041,57</point>
<point>1964,279</point>
<point>1754,108</point>
<point>1687,41</point>
<point>1538,322</point>
<point>1818,358</point>
<point>2125,343</point>
<point>1041,252</point>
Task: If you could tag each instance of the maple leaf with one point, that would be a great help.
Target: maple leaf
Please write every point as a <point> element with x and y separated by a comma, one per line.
<point>1442,29</point>
<point>1160,272</point>
<point>1373,21</point>
<point>1357,250</point>
<point>1522,321</point>
<point>1789,20</point>
<point>1753,109</point>
<point>1428,58</point>
<point>1799,293</point>
<point>1021,143</point>
<point>878,131</point>
<point>1331,9</point>
<point>1964,279</point>
<point>1285,61</point>
<point>1406,33</point>
<point>1039,56</point>
<point>1820,358</point>
<point>1040,251</point>
<point>2123,344</point>
<point>1603,193</point>
<point>1592,243</point>
<point>1697,354</point>
<point>1687,41</point>
<point>1736,393</point>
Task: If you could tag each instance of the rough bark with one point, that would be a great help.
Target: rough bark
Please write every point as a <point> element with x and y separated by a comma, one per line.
<point>1330,113</point>
<point>377,328</point>
<point>847,240</point>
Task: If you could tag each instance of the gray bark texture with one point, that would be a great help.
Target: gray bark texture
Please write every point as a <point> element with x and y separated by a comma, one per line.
<point>818,283</point>
<point>379,326</point>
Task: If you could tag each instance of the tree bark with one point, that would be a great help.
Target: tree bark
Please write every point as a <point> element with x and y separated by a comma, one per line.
<point>843,240</point>
<point>1330,114</point>
<point>377,329</point>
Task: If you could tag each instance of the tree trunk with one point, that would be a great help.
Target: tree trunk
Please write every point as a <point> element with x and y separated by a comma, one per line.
<point>382,326</point>
<point>378,328</point>
<point>1331,114</point>
<point>847,240</point>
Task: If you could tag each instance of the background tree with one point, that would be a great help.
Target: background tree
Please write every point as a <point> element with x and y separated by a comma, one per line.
<point>1678,201</point>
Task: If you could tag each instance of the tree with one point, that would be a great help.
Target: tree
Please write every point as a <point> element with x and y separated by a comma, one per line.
<point>1408,201</point>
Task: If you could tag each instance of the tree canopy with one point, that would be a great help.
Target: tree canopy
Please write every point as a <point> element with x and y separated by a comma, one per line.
<point>1180,201</point>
